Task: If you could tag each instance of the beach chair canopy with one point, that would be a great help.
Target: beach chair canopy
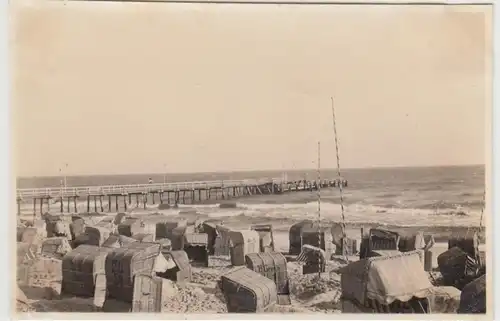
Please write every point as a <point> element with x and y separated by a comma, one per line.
<point>384,234</point>
<point>266,236</point>
<point>209,225</point>
<point>261,227</point>
<point>337,234</point>
<point>243,237</point>
<point>118,219</point>
<point>383,253</point>
<point>222,229</point>
<point>473,297</point>
<point>296,229</point>
<point>467,241</point>
<point>242,242</point>
<point>294,236</point>
<point>162,264</point>
<point>62,227</point>
<point>386,279</point>
<point>20,295</point>
<point>311,254</point>
<point>108,219</point>
<point>412,242</point>
<point>117,241</point>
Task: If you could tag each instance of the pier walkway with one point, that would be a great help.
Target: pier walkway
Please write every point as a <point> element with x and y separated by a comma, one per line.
<point>168,193</point>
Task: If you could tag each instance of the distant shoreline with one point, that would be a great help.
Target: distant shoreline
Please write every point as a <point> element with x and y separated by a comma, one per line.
<point>293,170</point>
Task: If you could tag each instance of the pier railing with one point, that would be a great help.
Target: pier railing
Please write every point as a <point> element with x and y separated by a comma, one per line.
<point>55,192</point>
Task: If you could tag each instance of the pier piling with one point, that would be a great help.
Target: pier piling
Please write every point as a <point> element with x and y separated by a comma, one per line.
<point>192,192</point>
<point>18,206</point>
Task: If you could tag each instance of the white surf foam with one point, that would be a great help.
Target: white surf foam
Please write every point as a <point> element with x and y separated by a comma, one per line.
<point>355,213</point>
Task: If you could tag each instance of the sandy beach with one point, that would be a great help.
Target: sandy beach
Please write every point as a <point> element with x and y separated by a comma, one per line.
<point>309,294</point>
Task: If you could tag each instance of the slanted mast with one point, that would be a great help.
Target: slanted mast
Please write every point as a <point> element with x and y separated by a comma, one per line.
<point>318,189</point>
<point>340,184</point>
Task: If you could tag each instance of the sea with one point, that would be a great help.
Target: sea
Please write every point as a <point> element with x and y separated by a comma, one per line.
<point>400,196</point>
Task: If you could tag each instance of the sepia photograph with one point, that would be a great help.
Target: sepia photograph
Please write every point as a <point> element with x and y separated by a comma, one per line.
<point>301,158</point>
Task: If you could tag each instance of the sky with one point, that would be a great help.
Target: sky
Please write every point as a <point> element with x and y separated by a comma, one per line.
<point>115,88</point>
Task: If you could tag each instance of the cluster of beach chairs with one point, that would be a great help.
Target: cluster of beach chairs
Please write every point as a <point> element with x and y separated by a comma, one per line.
<point>394,274</point>
<point>128,263</point>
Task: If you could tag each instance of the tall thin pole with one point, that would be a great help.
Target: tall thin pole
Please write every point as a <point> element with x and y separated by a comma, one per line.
<point>318,184</point>
<point>65,172</point>
<point>344,241</point>
<point>61,183</point>
<point>164,174</point>
<point>482,211</point>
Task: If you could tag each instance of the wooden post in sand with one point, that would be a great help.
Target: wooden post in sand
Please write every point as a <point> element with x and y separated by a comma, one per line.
<point>109,203</point>
<point>124,202</point>
<point>18,206</point>
<point>95,203</point>
<point>116,202</point>
<point>100,203</point>
<point>88,203</point>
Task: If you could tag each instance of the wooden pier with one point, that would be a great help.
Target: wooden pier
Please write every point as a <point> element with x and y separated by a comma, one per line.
<point>169,193</point>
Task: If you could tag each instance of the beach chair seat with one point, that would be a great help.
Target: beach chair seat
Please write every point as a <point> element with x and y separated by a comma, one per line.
<point>386,284</point>
<point>272,265</point>
<point>247,291</point>
<point>80,268</point>
<point>178,267</point>
<point>123,263</point>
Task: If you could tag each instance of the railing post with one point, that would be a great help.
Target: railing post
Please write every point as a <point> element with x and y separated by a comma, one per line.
<point>75,190</point>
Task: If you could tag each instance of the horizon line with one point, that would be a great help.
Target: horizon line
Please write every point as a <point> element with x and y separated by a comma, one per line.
<point>248,171</point>
<point>305,2</point>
